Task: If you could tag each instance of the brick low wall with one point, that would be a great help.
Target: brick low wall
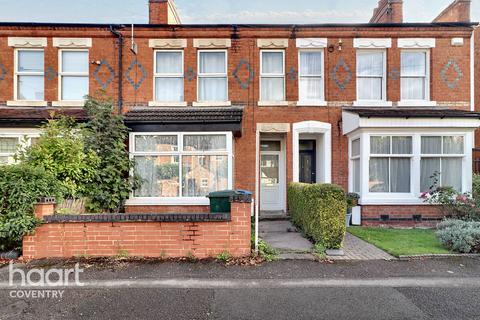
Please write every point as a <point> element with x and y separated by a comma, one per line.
<point>193,235</point>
<point>401,216</point>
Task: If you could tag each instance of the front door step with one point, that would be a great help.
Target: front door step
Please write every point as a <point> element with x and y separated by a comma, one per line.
<point>273,215</point>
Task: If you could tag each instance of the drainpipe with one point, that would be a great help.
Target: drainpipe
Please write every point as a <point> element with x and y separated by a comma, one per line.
<point>113,30</point>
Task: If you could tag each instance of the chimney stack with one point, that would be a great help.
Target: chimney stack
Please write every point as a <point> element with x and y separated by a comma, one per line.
<point>457,11</point>
<point>163,12</point>
<point>388,11</point>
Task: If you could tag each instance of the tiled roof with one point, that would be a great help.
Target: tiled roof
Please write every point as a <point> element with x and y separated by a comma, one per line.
<point>185,115</point>
<point>393,112</point>
<point>37,115</point>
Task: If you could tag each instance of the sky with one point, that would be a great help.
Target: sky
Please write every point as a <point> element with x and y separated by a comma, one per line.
<point>217,11</point>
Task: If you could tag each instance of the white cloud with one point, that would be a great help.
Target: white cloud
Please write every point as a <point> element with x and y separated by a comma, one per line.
<point>306,16</point>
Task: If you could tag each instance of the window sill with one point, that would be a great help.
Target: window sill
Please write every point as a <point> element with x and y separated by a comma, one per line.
<point>360,103</point>
<point>26,103</point>
<point>273,103</point>
<point>166,104</point>
<point>66,103</point>
<point>200,201</point>
<point>417,103</point>
<point>390,199</point>
<point>318,103</point>
<point>212,104</point>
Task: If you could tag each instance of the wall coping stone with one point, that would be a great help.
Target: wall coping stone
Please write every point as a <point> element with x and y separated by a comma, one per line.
<point>140,217</point>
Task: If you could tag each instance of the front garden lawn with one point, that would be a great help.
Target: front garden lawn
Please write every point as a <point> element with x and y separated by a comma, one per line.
<point>401,242</point>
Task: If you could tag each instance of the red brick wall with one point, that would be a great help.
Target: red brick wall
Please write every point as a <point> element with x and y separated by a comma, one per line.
<point>401,212</point>
<point>146,239</point>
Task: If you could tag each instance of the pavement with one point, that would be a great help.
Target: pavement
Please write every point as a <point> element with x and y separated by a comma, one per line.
<point>415,289</point>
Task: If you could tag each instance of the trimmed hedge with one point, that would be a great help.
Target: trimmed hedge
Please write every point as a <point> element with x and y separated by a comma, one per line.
<point>319,211</point>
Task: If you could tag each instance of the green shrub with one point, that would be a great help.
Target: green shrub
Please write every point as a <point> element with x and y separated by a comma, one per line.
<point>476,188</point>
<point>60,150</point>
<point>319,210</point>
<point>20,187</point>
<point>105,135</point>
<point>460,236</point>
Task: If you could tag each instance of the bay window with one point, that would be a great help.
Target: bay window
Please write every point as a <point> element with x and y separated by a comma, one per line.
<point>415,75</point>
<point>29,74</point>
<point>182,165</point>
<point>73,75</point>
<point>10,144</point>
<point>397,168</point>
<point>212,76</point>
<point>371,75</point>
<point>441,164</point>
<point>355,164</point>
<point>272,75</point>
<point>310,83</point>
<point>169,78</point>
<point>390,164</point>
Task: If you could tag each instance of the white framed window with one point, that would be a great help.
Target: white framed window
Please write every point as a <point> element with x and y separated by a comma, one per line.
<point>396,166</point>
<point>29,80</point>
<point>310,76</point>
<point>371,75</point>
<point>10,143</point>
<point>415,75</point>
<point>169,75</point>
<point>441,161</point>
<point>355,164</point>
<point>73,75</point>
<point>212,76</point>
<point>181,168</point>
<point>272,75</point>
<point>390,164</point>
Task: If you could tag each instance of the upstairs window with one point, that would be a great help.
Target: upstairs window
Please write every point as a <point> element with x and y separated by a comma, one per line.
<point>169,86</point>
<point>29,75</point>
<point>371,84</point>
<point>414,75</point>
<point>272,75</point>
<point>212,76</point>
<point>73,75</point>
<point>311,76</point>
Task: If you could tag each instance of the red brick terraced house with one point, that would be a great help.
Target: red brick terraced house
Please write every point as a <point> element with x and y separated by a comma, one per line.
<point>376,108</point>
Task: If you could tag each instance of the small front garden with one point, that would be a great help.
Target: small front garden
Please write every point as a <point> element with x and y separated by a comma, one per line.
<point>401,242</point>
<point>85,166</point>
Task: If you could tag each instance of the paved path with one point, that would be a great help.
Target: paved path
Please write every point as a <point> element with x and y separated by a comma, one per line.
<point>291,245</point>
<point>356,249</point>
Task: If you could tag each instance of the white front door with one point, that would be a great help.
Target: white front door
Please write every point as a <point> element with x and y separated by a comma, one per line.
<point>272,176</point>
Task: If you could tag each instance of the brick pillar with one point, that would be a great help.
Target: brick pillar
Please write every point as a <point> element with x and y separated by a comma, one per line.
<point>45,206</point>
<point>240,232</point>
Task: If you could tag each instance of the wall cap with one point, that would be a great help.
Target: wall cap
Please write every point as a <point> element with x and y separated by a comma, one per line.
<point>147,217</point>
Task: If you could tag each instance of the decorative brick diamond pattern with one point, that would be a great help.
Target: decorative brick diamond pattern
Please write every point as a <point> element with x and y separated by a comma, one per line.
<point>451,84</point>
<point>111,74</point>
<point>292,74</point>
<point>245,81</point>
<point>191,75</point>
<point>336,72</point>
<point>50,74</point>
<point>3,72</point>
<point>136,84</point>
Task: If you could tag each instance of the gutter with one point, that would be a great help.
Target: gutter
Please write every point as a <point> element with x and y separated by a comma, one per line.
<point>113,30</point>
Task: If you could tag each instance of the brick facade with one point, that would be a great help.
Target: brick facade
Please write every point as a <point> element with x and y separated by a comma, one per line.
<point>143,239</point>
<point>449,78</point>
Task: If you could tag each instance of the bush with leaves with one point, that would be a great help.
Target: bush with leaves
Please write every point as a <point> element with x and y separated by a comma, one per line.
<point>319,211</point>
<point>460,236</point>
<point>105,135</point>
<point>20,187</point>
<point>60,150</point>
<point>453,204</point>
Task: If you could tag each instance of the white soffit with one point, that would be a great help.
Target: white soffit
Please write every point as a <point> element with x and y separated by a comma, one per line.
<point>416,43</point>
<point>372,43</point>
